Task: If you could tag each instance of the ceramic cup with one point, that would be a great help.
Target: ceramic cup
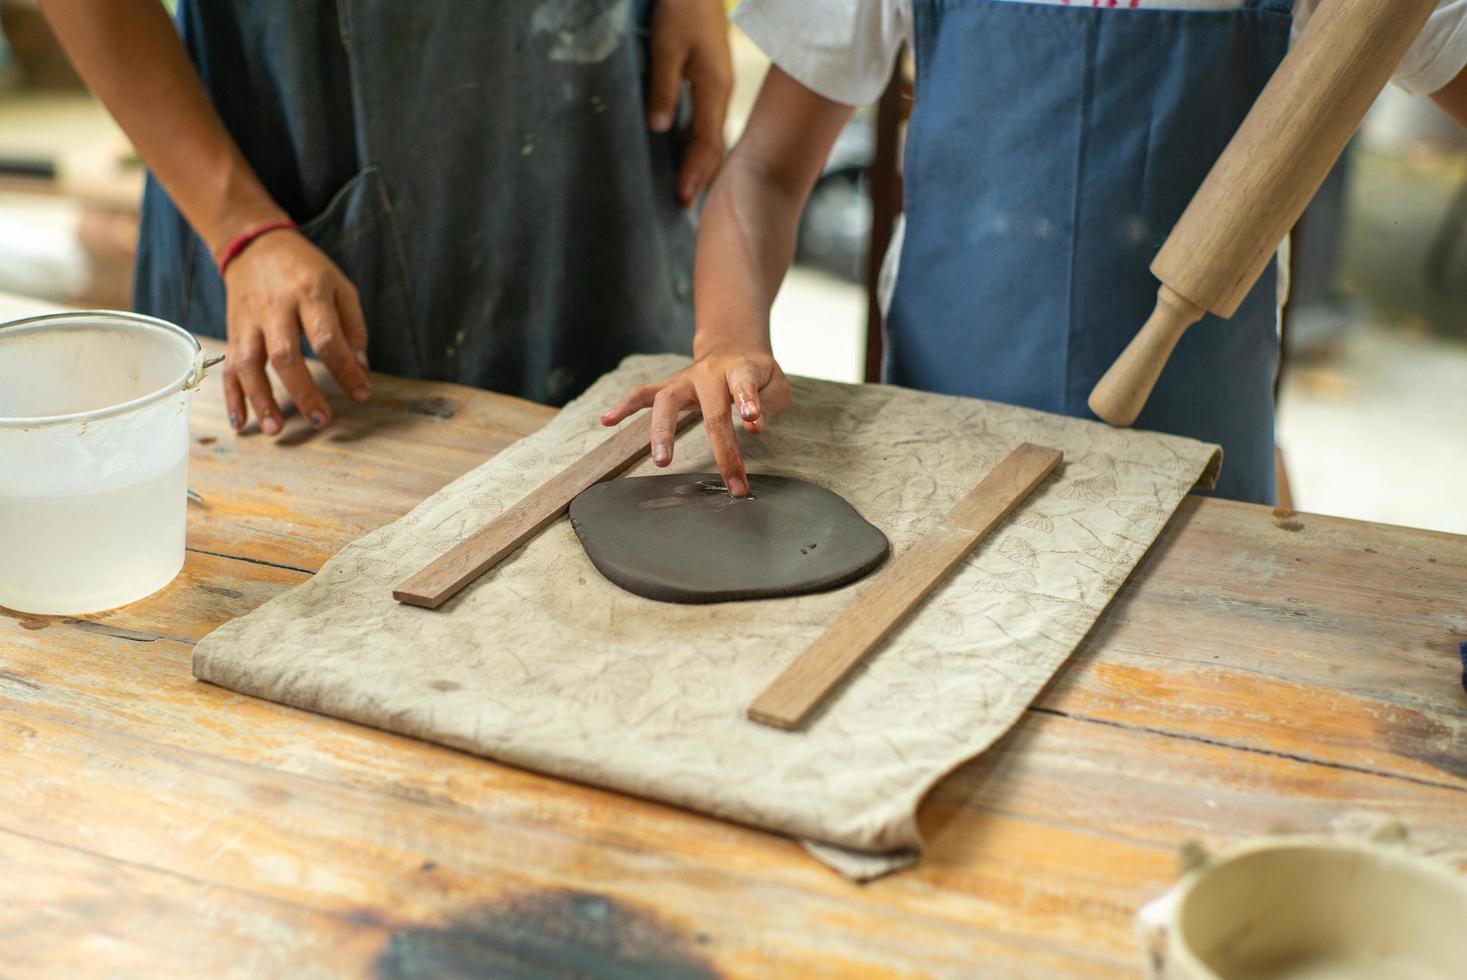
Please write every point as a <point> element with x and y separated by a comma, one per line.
<point>1310,908</point>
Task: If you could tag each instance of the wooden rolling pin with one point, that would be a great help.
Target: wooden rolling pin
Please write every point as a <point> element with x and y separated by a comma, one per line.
<point>1261,183</point>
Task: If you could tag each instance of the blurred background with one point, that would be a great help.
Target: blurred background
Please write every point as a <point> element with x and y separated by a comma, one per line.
<point>1372,397</point>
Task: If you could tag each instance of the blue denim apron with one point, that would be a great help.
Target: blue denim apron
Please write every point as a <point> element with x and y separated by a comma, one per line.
<point>1050,151</point>
<point>482,172</point>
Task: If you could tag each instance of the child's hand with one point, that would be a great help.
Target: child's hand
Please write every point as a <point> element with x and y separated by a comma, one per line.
<point>749,379</point>
<point>690,40</point>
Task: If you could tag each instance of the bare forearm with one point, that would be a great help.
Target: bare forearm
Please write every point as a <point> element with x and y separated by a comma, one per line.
<point>752,216</point>
<point>1453,98</point>
<point>745,246</point>
<point>129,54</point>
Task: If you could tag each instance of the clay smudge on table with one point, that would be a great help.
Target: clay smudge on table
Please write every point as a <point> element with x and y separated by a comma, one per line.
<point>1284,519</point>
<point>28,621</point>
<point>136,636</point>
<point>682,538</point>
<point>555,933</point>
<point>441,408</point>
<point>37,621</point>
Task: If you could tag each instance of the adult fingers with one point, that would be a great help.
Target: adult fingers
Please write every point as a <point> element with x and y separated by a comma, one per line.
<point>712,81</point>
<point>283,349</point>
<point>665,408</point>
<point>632,402</point>
<point>354,328</point>
<point>234,399</point>
<point>718,423</point>
<point>325,331</point>
<point>250,370</point>
<point>668,57</point>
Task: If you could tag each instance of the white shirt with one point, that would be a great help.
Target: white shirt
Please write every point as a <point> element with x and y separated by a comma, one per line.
<point>844,49</point>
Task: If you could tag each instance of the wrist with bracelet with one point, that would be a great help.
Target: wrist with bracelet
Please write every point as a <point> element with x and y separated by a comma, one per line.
<point>246,238</point>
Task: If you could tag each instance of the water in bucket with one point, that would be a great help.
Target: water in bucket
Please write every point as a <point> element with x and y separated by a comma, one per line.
<point>93,459</point>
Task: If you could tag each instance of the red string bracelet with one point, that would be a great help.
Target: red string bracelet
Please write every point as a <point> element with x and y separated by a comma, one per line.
<point>243,239</point>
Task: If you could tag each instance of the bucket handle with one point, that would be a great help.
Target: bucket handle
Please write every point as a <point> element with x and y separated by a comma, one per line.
<point>208,362</point>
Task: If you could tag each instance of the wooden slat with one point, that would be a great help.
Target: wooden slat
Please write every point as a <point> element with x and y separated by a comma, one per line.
<point>442,578</point>
<point>887,600</point>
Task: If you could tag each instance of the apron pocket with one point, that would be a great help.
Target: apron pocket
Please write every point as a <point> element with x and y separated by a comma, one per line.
<point>358,230</point>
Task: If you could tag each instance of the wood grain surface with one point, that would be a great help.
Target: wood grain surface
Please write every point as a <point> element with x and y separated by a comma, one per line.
<point>1258,669</point>
<point>881,604</point>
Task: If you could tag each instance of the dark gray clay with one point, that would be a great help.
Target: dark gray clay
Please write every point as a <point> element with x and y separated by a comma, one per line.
<point>682,538</point>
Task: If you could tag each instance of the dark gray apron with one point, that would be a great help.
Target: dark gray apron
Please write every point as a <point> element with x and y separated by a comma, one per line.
<point>482,172</point>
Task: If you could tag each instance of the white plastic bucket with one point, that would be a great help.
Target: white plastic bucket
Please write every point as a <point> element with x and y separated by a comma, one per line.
<point>93,458</point>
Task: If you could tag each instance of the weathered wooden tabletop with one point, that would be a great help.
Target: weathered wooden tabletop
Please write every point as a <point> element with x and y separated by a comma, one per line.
<point>1257,670</point>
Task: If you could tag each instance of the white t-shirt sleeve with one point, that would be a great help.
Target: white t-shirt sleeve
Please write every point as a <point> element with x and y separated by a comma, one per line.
<point>841,49</point>
<point>1438,54</point>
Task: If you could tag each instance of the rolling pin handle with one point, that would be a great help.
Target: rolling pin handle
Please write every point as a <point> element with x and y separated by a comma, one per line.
<point>1121,392</point>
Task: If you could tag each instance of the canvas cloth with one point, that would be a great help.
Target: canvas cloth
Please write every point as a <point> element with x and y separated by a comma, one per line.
<point>543,664</point>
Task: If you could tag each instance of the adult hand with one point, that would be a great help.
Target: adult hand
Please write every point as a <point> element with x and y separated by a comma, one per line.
<point>690,40</point>
<point>748,378</point>
<point>279,289</point>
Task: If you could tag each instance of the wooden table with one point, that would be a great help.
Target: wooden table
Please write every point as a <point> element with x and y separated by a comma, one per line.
<point>1257,670</point>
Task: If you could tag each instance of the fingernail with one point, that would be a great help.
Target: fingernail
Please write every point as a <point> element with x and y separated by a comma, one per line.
<point>660,121</point>
<point>362,359</point>
<point>270,426</point>
<point>737,488</point>
<point>660,455</point>
<point>234,421</point>
<point>317,420</point>
<point>362,392</point>
<point>746,407</point>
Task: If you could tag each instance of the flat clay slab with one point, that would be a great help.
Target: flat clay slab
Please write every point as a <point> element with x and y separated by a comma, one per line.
<point>682,538</point>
